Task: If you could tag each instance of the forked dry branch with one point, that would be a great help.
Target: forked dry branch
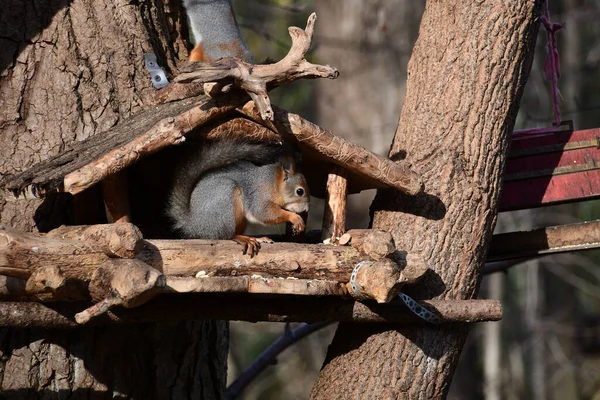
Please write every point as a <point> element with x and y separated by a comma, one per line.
<point>256,80</point>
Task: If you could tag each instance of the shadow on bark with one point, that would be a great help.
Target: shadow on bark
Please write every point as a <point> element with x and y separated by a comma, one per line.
<point>54,211</point>
<point>102,353</point>
<point>423,205</point>
<point>16,28</point>
<point>353,336</point>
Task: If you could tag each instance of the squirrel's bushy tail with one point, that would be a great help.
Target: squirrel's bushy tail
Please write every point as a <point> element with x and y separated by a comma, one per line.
<point>211,156</point>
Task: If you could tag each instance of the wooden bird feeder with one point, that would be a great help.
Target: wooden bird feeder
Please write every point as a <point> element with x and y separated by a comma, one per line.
<point>112,264</point>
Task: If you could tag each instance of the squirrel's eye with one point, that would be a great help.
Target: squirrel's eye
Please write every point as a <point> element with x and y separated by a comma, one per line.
<point>300,191</point>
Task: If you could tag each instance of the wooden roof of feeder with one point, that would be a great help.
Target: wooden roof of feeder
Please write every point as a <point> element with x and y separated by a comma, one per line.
<point>182,106</point>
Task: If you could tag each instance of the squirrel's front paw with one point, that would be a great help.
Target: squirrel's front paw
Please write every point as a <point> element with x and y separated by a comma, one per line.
<point>297,223</point>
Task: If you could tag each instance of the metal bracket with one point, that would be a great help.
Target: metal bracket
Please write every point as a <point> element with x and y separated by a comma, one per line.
<point>419,310</point>
<point>159,79</point>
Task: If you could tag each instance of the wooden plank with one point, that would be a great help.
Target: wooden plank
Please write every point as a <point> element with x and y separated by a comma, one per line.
<point>552,168</point>
<point>518,195</point>
<point>47,176</point>
<point>545,241</point>
<point>531,132</point>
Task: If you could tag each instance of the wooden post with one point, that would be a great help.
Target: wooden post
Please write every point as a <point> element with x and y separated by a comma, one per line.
<point>116,197</point>
<point>334,217</point>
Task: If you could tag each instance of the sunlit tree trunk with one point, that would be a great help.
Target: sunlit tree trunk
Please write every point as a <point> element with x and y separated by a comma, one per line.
<point>465,80</point>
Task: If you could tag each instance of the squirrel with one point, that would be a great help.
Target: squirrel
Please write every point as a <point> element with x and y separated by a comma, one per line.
<point>228,183</point>
<point>215,31</point>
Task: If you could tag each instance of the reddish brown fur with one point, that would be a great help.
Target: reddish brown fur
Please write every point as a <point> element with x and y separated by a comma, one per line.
<point>278,188</point>
<point>235,48</point>
<point>238,209</point>
<point>198,54</point>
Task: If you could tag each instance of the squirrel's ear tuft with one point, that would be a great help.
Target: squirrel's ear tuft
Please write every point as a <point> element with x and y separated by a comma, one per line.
<point>298,158</point>
<point>288,164</point>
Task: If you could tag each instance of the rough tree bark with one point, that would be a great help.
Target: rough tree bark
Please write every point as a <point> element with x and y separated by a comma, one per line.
<point>466,77</point>
<point>70,69</point>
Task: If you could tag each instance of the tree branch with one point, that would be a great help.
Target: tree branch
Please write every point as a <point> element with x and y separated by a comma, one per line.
<point>269,356</point>
<point>253,308</point>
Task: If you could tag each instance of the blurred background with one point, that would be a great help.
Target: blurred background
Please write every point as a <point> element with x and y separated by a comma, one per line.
<point>548,344</point>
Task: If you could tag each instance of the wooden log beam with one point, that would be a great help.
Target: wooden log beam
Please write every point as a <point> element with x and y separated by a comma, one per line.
<point>255,284</point>
<point>22,253</point>
<point>379,279</point>
<point>79,250</point>
<point>334,216</point>
<point>165,308</point>
<point>115,192</point>
<point>50,264</point>
<point>344,153</point>
<point>134,283</point>
<point>122,240</point>
<point>224,258</point>
<point>544,241</point>
<point>166,132</point>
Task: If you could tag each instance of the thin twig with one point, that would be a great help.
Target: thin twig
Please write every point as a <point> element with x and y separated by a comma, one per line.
<point>502,266</point>
<point>268,357</point>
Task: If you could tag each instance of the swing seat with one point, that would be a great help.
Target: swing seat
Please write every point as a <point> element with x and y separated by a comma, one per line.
<point>552,168</point>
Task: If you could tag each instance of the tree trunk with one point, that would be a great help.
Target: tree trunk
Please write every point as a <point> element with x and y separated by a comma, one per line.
<point>466,77</point>
<point>70,69</point>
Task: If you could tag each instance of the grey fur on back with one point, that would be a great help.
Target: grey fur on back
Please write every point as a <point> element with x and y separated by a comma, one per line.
<point>201,199</point>
<point>211,24</point>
